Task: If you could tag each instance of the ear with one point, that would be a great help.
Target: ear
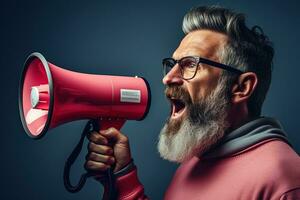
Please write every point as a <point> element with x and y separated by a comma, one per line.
<point>243,88</point>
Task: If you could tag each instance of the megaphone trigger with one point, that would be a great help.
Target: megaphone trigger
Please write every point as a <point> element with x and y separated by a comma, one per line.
<point>106,123</point>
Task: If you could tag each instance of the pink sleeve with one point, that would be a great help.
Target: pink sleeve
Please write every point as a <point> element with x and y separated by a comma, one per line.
<point>128,187</point>
<point>291,195</point>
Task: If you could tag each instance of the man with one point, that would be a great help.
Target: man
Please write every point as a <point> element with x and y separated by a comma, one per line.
<point>216,81</point>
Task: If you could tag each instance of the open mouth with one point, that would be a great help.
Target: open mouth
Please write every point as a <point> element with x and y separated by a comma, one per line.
<point>177,107</point>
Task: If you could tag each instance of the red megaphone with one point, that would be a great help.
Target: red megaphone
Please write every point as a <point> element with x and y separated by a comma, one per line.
<point>50,96</point>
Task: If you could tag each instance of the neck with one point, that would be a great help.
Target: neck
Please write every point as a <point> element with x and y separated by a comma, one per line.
<point>237,117</point>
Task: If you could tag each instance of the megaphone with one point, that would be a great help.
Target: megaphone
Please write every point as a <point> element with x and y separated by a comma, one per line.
<point>50,96</point>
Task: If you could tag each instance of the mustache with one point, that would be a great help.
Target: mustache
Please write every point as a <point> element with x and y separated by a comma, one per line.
<point>178,92</point>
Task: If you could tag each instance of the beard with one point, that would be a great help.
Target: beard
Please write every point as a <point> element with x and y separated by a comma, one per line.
<point>202,127</point>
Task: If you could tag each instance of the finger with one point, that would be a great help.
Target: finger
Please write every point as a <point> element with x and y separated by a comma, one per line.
<point>100,149</point>
<point>115,135</point>
<point>97,138</point>
<point>100,158</point>
<point>93,165</point>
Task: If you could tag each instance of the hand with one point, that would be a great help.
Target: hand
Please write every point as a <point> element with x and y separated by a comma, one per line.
<point>107,148</point>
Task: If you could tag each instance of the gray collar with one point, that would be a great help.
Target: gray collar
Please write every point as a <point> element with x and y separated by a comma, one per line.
<point>247,135</point>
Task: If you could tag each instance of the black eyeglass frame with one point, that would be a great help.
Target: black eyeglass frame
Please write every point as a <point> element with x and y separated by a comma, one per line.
<point>201,60</point>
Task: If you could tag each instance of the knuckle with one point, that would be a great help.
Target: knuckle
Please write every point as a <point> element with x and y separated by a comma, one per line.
<point>100,140</point>
<point>91,165</point>
<point>107,159</point>
<point>97,138</point>
<point>108,150</point>
<point>125,139</point>
<point>88,165</point>
<point>110,160</point>
<point>111,129</point>
<point>93,156</point>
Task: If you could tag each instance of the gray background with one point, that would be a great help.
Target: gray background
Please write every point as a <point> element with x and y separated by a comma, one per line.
<point>119,38</point>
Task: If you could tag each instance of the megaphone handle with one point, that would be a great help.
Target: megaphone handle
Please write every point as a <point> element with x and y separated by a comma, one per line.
<point>104,124</point>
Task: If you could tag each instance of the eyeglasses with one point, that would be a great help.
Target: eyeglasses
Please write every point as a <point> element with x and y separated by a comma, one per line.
<point>189,66</point>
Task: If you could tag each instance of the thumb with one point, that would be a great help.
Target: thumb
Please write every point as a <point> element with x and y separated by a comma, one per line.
<point>114,135</point>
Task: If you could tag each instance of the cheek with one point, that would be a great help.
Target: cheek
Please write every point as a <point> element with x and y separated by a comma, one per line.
<point>197,91</point>
<point>202,85</point>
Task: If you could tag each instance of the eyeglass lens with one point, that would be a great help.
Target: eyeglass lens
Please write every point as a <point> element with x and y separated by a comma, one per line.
<point>187,66</point>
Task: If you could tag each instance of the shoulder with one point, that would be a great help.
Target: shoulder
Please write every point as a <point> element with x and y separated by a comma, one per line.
<point>275,167</point>
<point>277,157</point>
<point>272,157</point>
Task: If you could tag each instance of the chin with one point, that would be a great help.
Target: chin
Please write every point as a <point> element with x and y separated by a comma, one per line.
<point>182,138</point>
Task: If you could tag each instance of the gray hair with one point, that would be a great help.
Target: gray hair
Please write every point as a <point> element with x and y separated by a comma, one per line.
<point>246,49</point>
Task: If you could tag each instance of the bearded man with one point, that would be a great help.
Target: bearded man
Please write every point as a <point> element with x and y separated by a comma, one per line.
<point>216,81</point>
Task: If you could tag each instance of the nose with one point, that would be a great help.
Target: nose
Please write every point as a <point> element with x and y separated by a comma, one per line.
<point>173,77</point>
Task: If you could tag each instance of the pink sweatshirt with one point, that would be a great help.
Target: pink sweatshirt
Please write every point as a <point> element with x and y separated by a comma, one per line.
<point>267,170</point>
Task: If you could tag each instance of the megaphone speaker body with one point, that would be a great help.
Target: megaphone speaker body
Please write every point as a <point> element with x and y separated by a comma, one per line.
<point>50,96</point>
